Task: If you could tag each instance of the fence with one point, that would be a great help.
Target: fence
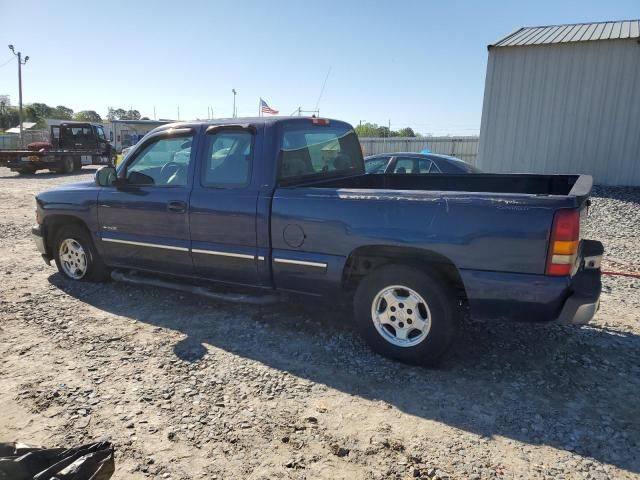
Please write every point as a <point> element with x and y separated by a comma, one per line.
<point>11,141</point>
<point>465,148</point>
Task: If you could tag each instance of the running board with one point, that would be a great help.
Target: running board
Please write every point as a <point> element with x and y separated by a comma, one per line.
<point>137,279</point>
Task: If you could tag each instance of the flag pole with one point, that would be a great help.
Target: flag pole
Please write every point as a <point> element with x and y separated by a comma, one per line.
<point>259,109</point>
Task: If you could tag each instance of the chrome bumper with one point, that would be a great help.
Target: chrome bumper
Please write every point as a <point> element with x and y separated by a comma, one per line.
<point>584,301</point>
<point>578,311</point>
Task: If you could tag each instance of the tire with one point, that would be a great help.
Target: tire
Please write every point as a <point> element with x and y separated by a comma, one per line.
<point>416,297</point>
<point>26,171</point>
<point>76,256</point>
<point>66,165</point>
<point>77,164</point>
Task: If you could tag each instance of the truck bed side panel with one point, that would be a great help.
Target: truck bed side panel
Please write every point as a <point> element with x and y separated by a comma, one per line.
<point>485,232</point>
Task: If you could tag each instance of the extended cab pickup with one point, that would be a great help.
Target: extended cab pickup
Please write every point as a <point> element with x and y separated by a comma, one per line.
<point>283,203</point>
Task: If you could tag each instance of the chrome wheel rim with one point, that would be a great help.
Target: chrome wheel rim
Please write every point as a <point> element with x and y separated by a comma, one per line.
<point>401,316</point>
<point>73,259</point>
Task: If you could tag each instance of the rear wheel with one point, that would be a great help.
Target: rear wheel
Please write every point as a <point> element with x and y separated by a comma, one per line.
<point>76,256</point>
<point>65,165</point>
<point>28,170</point>
<point>406,314</point>
<point>77,164</point>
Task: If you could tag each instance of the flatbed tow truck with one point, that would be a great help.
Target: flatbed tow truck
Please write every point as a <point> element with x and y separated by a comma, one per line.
<point>72,145</point>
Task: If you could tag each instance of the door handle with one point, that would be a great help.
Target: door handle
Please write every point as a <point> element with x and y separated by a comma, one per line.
<point>178,207</point>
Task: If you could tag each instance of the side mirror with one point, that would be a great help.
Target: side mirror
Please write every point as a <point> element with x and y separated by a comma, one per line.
<point>105,176</point>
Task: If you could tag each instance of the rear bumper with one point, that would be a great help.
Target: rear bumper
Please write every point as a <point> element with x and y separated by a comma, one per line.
<point>537,298</point>
<point>39,239</point>
<point>584,300</point>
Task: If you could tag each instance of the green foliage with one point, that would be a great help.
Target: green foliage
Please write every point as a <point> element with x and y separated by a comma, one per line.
<point>8,117</point>
<point>62,113</point>
<point>88,116</point>
<point>121,114</point>
<point>38,112</point>
<point>406,132</point>
<point>374,130</point>
<point>367,130</point>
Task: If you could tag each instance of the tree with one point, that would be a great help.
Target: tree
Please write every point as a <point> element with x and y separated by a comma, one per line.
<point>121,114</point>
<point>367,130</point>
<point>62,113</point>
<point>383,132</point>
<point>406,132</point>
<point>88,116</point>
<point>37,112</point>
<point>9,118</point>
<point>5,103</point>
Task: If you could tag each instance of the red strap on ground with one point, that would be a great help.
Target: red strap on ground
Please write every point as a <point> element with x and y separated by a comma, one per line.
<point>622,274</point>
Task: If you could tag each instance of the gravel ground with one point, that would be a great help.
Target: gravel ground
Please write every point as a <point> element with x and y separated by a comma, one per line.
<point>189,388</point>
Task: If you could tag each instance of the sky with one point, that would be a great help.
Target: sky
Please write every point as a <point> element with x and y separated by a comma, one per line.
<point>411,63</point>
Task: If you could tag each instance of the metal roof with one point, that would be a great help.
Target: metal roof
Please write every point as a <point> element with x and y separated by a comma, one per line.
<point>25,126</point>
<point>577,32</point>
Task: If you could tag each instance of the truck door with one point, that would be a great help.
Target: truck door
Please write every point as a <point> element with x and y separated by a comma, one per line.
<point>222,209</point>
<point>145,222</point>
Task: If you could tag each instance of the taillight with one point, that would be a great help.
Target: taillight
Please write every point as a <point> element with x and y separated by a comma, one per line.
<point>319,121</point>
<point>563,245</point>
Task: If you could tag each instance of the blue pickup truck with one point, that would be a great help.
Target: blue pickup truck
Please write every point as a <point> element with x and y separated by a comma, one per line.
<point>284,204</point>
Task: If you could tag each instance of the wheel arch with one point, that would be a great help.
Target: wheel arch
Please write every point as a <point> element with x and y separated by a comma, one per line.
<point>53,224</point>
<point>366,259</point>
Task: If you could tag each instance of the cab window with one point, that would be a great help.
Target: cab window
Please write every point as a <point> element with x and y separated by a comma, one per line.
<point>317,151</point>
<point>228,159</point>
<point>100,133</point>
<point>164,162</point>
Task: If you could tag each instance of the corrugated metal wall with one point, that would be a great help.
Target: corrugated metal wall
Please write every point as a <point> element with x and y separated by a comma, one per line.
<point>565,108</point>
<point>465,148</point>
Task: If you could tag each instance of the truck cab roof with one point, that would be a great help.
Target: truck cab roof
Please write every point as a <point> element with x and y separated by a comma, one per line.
<point>248,121</point>
<point>78,124</point>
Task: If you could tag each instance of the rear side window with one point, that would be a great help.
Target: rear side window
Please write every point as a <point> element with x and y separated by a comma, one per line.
<point>228,159</point>
<point>376,165</point>
<point>317,151</point>
<point>413,165</point>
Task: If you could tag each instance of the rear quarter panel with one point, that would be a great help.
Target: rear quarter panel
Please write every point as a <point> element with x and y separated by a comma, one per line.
<point>501,233</point>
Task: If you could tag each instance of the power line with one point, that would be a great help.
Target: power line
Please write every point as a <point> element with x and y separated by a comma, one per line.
<point>7,62</point>
<point>324,84</point>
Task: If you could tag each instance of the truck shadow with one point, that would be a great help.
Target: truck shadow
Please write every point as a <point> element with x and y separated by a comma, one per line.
<point>574,389</point>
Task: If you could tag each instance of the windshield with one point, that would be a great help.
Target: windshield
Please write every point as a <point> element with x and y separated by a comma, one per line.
<point>318,151</point>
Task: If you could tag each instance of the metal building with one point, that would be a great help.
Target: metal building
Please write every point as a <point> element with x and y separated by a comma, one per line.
<point>564,99</point>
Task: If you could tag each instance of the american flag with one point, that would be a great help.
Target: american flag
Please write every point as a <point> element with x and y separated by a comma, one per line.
<point>264,108</point>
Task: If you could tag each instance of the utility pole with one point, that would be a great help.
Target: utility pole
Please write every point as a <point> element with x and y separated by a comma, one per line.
<point>234,102</point>
<point>20,63</point>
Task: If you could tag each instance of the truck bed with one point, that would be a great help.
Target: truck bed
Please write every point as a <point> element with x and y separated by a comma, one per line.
<point>578,186</point>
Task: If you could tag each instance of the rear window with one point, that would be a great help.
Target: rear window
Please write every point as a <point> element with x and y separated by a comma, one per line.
<point>316,151</point>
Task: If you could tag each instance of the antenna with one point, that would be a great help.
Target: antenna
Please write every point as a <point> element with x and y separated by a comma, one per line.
<point>322,89</point>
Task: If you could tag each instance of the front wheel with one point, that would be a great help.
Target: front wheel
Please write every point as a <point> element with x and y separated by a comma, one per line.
<point>406,314</point>
<point>76,257</point>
